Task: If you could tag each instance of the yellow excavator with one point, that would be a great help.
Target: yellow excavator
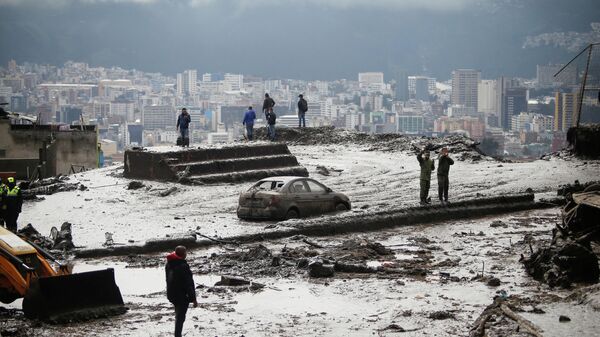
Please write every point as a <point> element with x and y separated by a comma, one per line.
<point>49,290</point>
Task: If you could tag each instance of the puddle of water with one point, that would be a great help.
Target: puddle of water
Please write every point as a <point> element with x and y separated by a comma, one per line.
<point>584,320</point>
<point>140,281</point>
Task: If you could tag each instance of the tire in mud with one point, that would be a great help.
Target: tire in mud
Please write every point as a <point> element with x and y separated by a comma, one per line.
<point>292,214</point>
<point>341,207</point>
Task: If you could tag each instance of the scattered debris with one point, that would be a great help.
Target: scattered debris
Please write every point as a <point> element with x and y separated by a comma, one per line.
<point>168,191</point>
<point>59,240</point>
<point>319,268</point>
<point>569,257</point>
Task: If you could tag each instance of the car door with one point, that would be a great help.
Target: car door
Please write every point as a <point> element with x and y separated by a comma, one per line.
<point>322,201</point>
<point>300,195</point>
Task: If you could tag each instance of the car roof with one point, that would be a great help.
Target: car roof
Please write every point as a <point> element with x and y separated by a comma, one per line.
<point>285,179</point>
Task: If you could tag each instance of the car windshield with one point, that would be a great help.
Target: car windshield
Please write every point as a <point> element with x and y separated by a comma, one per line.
<point>268,185</point>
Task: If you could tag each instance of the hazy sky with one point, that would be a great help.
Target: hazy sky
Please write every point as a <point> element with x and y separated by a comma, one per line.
<point>305,39</point>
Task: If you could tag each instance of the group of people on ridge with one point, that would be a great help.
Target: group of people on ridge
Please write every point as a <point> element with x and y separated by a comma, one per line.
<point>428,166</point>
<point>11,201</point>
<point>271,117</point>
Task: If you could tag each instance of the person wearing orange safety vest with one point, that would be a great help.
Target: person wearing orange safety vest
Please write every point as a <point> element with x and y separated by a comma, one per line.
<point>12,201</point>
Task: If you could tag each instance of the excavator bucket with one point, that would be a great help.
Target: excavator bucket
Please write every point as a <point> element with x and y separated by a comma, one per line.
<point>75,297</point>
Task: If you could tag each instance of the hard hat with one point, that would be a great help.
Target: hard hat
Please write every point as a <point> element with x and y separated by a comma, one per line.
<point>11,179</point>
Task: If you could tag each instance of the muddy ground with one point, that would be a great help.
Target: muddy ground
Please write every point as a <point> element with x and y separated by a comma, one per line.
<point>421,280</point>
<point>374,180</point>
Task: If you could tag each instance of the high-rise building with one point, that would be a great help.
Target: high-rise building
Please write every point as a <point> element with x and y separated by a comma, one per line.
<point>464,87</point>
<point>422,88</point>
<point>186,83</point>
<point>565,107</point>
<point>515,102</point>
<point>158,117</point>
<point>206,77</point>
<point>487,96</point>
<point>401,87</point>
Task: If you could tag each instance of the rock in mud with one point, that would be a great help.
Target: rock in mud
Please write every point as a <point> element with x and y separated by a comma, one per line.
<point>493,282</point>
<point>317,268</point>
<point>440,315</point>
<point>563,318</point>
<point>232,281</point>
<point>134,185</point>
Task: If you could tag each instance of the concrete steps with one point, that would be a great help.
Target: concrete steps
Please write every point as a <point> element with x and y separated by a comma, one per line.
<point>231,163</point>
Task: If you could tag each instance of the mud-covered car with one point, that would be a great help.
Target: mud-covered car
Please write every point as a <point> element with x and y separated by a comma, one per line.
<point>289,197</point>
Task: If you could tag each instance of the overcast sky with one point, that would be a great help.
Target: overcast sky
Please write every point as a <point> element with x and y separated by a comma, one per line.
<point>305,39</point>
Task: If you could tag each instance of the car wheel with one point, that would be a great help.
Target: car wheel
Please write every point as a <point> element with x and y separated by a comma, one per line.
<point>341,207</point>
<point>291,214</point>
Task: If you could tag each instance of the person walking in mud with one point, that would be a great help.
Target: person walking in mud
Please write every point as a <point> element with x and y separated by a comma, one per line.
<point>180,286</point>
<point>302,109</point>
<point>427,166</point>
<point>444,163</point>
<point>268,105</point>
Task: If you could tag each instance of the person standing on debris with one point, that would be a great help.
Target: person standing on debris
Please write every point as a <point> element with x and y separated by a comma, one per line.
<point>268,105</point>
<point>427,166</point>
<point>302,109</point>
<point>183,125</point>
<point>180,286</point>
<point>271,119</point>
<point>444,163</point>
<point>248,121</point>
<point>12,203</point>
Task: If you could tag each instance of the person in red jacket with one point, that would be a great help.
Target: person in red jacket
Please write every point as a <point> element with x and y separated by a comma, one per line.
<point>180,286</point>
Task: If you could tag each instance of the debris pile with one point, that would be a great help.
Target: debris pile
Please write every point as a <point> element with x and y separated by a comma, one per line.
<point>464,147</point>
<point>584,140</point>
<point>58,240</point>
<point>570,257</point>
<point>49,186</point>
<point>501,319</point>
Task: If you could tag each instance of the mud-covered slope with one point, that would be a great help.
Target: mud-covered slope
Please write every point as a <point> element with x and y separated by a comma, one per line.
<point>329,135</point>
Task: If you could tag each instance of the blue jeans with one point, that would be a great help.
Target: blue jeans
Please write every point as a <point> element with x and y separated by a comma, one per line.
<point>301,120</point>
<point>271,131</point>
<point>249,131</point>
<point>185,133</point>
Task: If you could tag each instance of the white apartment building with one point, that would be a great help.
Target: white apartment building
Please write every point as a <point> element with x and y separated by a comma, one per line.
<point>372,81</point>
<point>159,117</point>
<point>186,83</point>
<point>233,82</point>
<point>487,97</point>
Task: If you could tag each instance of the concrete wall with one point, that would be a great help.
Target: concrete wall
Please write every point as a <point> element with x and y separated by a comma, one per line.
<point>22,145</point>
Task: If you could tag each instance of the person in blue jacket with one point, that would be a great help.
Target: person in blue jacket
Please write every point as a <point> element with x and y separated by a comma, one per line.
<point>248,121</point>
